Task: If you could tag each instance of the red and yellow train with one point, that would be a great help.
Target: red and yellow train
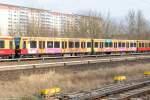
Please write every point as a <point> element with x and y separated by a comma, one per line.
<point>38,46</point>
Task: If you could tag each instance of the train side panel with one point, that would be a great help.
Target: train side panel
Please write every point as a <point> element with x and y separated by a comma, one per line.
<point>6,46</point>
<point>53,46</point>
<point>143,46</point>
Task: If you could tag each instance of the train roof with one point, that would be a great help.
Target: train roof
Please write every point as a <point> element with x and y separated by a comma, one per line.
<point>72,38</point>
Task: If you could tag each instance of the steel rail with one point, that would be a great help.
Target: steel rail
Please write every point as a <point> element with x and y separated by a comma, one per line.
<point>105,91</point>
<point>131,93</point>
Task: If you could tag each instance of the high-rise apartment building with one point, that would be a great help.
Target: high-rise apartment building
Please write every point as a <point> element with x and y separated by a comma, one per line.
<point>24,20</point>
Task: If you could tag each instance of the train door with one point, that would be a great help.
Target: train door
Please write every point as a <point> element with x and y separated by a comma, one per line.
<point>17,41</point>
<point>64,46</point>
<point>41,47</point>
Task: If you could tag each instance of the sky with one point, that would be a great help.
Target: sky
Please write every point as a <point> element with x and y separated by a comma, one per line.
<point>116,8</point>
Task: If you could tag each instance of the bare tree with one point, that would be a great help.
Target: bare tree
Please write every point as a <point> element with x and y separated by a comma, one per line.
<point>136,26</point>
<point>142,25</point>
<point>131,22</point>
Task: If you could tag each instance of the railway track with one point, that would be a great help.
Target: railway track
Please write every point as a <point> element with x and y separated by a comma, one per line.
<point>132,88</point>
<point>135,93</point>
<point>71,62</point>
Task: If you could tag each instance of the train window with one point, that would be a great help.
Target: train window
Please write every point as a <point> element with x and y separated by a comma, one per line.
<point>134,45</point>
<point>127,45</point>
<point>82,44</point>
<point>119,45</point>
<point>88,44</point>
<point>2,43</point>
<point>43,44</point>
<point>110,44</point>
<point>140,44</point>
<point>33,44</point>
<point>24,44</point>
<point>123,44</point>
<point>56,44</point>
<point>143,45</point>
<point>131,45</point>
<point>10,44</point>
<point>77,44</point>
<point>17,42</point>
<point>101,45</point>
<point>71,45</point>
<point>115,44</point>
<point>49,44</point>
<point>40,44</point>
<point>96,44</point>
<point>63,45</point>
<point>106,44</point>
<point>146,44</point>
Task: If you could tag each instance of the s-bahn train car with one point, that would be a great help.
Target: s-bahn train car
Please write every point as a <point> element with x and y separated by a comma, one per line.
<point>114,46</point>
<point>38,46</point>
<point>6,47</point>
<point>103,46</point>
<point>76,46</point>
<point>143,45</point>
<point>45,46</point>
<point>125,46</point>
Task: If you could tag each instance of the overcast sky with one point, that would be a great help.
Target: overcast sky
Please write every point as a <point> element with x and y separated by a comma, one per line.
<point>117,8</point>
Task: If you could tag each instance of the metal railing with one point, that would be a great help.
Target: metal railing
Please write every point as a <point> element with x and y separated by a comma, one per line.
<point>68,63</point>
<point>67,57</point>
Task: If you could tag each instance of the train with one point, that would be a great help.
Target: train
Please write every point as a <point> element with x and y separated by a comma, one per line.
<point>19,46</point>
